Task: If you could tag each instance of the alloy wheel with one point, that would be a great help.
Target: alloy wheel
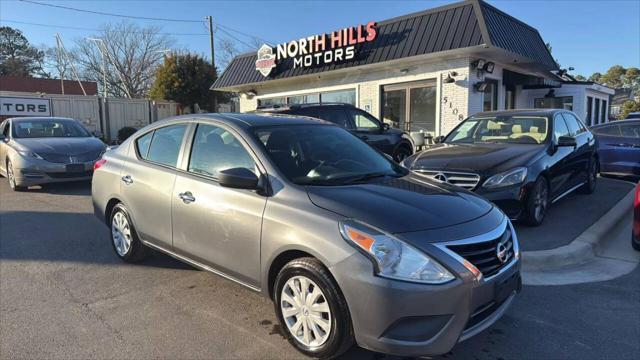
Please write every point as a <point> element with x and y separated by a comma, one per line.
<point>10,176</point>
<point>541,200</point>
<point>121,233</point>
<point>306,311</point>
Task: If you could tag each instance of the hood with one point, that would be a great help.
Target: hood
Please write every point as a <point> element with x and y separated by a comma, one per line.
<point>477,158</point>
<point>61,145</point>
<point>398,205</point>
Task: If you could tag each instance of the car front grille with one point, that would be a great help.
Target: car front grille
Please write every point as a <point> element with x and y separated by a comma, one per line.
<point>484,255</point>
<point>462,179</point>
<point>67,158</point>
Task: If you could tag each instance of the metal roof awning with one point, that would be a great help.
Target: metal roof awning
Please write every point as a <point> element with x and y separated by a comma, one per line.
<point>464,25</point>
<point>528,81</point>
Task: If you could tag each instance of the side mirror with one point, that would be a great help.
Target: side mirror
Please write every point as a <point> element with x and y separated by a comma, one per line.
<point>238,178</point>
<point>97,134</point>
<point>568,141</point>
<point>439,139</point>
<point>385,126</point>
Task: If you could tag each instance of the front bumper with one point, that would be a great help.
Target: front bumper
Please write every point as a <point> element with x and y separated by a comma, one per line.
<point>36,172</point>
<point>510,199</point>
<point>409,319</point>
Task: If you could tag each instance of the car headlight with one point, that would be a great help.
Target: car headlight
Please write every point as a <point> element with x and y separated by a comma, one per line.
<point>511,177</point>
<point>393,258</point>
<point>28,154</point>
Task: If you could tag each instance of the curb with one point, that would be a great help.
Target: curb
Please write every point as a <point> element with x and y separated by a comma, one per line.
<point>583,248</point>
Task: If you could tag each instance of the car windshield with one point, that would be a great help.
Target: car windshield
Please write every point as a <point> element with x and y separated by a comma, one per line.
<point>48,128</point>
<point>501,129</point>
<point>324,155</point>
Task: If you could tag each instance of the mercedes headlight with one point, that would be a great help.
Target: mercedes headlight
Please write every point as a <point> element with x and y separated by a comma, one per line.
<point>393,258</point>
<point>511,177</point>
<point>29,154</point>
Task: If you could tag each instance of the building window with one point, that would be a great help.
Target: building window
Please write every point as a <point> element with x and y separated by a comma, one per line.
<point>509,97</point>
<point>563,102</point>
<point>303,99</point>
<point>605,110</point>
<point>596,120</point>
<point>342,96</point>
<point>410,106</point>
<point>589,111</point>
<point>272,101</point>
<point>490,101</point>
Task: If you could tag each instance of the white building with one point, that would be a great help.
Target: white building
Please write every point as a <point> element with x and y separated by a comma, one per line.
<point>423,71</point>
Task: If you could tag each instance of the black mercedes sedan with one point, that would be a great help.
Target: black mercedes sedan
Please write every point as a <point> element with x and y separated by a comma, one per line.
<point>522,160</point>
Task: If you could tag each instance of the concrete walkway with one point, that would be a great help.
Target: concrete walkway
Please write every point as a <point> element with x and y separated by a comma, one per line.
<point>602,252</point>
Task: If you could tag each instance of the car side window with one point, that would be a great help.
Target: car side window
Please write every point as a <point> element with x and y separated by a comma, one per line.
<point>215,149</point>
<point>630,130</point>
<point>362,120</point>
<point>166,143</point>
<point>335,115</point>
<point>559,128</point>
<point>609,130</point>
<point>4,128</point>
<point>573,124</point>
<point>142,144</point>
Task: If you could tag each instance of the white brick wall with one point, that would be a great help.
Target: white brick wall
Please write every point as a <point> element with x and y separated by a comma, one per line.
<point>368,85</point>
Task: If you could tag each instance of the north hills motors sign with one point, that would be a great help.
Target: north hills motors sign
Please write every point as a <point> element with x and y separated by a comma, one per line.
<point>316,50</point>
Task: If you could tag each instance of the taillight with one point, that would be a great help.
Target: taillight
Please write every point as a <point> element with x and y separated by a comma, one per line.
<point>98,164</point>
<point>636,202</point>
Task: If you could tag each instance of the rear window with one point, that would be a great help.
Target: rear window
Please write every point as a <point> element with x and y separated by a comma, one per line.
<point>142,144</point>
<point>165,145</point>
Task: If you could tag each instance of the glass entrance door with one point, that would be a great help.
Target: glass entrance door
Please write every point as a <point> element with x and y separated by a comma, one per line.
<point>410,106</point>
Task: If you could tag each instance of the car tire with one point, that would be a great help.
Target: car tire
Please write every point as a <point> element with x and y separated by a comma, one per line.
<point>537,202</point>
<point>401,153</point>
<point>300,279</point>
<point>124,238</point>
<point>592,177</point>
<point>13,183</point>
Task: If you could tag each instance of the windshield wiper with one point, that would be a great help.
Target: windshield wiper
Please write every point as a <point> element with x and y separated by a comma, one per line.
<point>368,176</point>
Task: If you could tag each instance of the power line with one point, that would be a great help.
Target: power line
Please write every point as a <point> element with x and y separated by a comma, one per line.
<point>242,33</point>
<point>140,17</point>
<point>90,29</point>
<point>110,14</point>
<point>235,38</point>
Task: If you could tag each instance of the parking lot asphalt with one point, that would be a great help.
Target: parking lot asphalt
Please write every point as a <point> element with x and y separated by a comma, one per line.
<point>572,215</point>
<point>64,294</point>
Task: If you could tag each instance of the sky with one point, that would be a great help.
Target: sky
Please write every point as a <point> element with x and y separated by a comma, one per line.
<point>589,35</point>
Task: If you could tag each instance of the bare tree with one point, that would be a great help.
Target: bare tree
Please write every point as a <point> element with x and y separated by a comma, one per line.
<point>131,53</point>
<point>229,48</point>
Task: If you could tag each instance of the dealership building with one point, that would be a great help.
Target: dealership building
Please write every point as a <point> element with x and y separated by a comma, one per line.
<point>425,71</point>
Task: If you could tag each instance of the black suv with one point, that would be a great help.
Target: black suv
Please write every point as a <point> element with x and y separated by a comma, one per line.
<point>522,160</point>
<point>390,141</point>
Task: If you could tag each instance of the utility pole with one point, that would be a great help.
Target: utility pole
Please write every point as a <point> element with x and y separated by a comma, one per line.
<point>104,65</point>
<point>61,63</point>
<point>213,60</point>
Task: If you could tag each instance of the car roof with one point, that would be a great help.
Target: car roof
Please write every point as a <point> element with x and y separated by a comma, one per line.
<point>252,120</point>
<point>276,108</point>
<point>39,118</point>
<point>617,122</point>
<point>521,112</point>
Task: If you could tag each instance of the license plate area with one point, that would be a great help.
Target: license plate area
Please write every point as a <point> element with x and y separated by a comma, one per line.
<point>74,168</point>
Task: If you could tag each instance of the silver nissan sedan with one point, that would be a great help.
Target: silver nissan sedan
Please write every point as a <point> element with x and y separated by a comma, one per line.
<point>351,247</point>
<point>43,150</point>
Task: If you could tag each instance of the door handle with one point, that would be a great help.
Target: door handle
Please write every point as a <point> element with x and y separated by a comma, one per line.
<point>127,179</point>
<point>187,197</point>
